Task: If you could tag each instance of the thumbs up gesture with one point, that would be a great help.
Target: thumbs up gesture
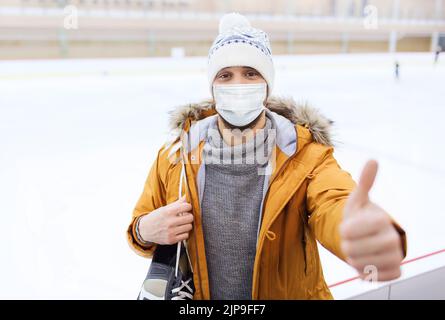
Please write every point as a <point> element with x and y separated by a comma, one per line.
<point>369,240</point>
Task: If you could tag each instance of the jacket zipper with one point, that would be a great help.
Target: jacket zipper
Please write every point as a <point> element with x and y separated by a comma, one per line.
<point>195,242</point>
<point>265,197</point>
<point>303,242</point>
<point>187,188</point>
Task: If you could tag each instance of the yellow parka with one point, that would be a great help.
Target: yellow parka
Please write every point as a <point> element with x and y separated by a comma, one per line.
<point>304,202</point>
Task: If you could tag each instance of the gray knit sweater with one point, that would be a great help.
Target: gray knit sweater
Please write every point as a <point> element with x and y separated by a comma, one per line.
<point>231,207</point>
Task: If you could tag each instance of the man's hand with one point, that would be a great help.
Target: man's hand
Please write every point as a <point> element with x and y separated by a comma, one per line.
<point>169,224</point>
<point>369,239</point>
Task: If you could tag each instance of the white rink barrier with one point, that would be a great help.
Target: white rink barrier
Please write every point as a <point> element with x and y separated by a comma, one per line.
<point>428,285</point>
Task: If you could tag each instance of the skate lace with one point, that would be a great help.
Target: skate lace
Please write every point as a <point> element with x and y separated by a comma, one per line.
<point>183,295</point>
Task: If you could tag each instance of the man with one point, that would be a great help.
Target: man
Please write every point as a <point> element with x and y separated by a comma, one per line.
<point>261,185</point>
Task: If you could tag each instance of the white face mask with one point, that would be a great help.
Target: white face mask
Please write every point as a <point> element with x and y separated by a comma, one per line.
<point>240,104</point>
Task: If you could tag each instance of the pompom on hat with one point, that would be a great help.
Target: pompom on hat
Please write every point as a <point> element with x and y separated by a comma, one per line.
<point>239,44</point>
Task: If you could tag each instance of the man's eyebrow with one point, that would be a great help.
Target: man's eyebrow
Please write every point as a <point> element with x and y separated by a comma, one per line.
<point>227,69</point>
<point>223,70</point>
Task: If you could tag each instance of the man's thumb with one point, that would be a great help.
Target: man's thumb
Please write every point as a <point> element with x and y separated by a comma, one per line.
<point>360,196</point>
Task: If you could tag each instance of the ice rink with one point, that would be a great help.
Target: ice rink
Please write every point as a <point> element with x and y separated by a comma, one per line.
<point>79,136</point>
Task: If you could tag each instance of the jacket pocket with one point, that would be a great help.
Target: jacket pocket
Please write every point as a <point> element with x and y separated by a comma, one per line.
<point>304,244</point>
<point>269,267</point>
<point>308,251</point>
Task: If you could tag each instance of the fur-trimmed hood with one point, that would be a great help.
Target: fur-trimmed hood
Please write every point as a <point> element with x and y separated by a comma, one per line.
<point>301,114</point>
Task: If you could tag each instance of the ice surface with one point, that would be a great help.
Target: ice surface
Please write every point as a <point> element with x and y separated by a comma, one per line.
<point>78,138</point>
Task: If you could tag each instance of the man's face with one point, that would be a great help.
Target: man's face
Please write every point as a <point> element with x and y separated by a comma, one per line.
<point>239,75</point>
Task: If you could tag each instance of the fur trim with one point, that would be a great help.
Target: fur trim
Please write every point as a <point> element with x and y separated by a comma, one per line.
<point>301,114</point>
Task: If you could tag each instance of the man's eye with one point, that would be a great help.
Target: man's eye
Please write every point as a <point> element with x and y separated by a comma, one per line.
<point>223,76</point>
<point>252,74</point>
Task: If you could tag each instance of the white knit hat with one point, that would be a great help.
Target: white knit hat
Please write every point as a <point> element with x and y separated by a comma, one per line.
<point>239,44</point>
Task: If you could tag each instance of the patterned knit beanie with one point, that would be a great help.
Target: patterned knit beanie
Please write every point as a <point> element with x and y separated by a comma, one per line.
<point>239,44</point>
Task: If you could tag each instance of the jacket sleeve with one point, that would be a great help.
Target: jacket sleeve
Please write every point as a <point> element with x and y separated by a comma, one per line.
<point>152,197</point>
<point>327,193</point>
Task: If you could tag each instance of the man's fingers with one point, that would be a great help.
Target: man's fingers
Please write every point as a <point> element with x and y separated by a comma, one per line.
<point>186,218</point>
<point>381,261</point>
<point>366,224</point>
<point>383,274</point>
<point>373,245</point>
<point>182,236</point>
<point>178,207</point>
<point>391,274</point>
<point>359,197</point>
<point>183,228</point>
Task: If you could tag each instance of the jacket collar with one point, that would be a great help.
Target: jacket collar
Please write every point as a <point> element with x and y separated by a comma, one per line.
<point>194,118</point>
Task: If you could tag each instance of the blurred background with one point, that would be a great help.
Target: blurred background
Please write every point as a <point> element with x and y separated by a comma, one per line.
<point>85,90</point>
<point>129,28</point>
